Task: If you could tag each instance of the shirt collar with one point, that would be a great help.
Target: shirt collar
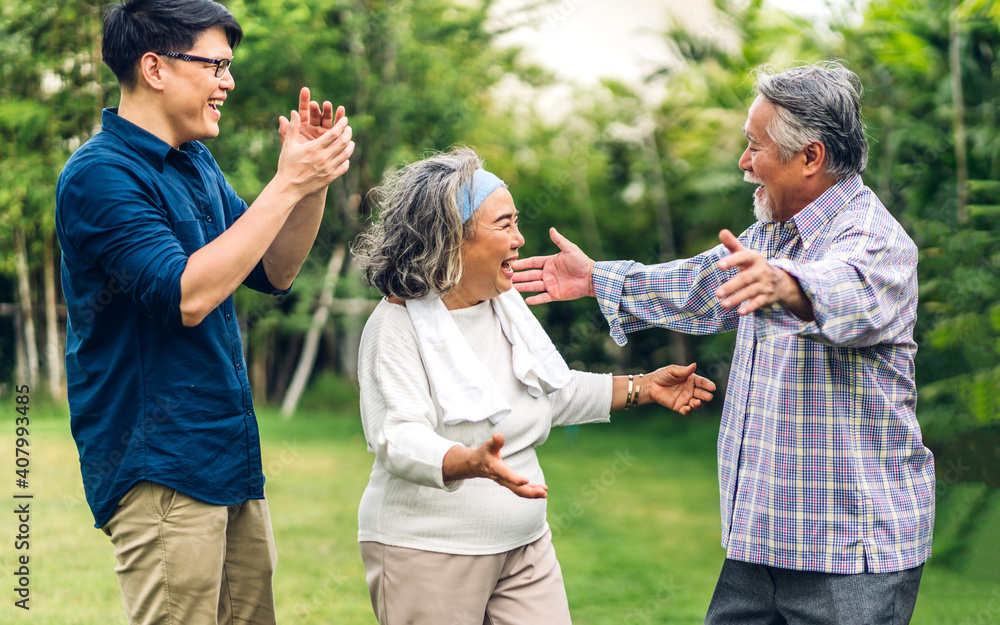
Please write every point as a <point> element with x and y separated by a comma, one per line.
<point>145,143</point>
<point>810,220</point>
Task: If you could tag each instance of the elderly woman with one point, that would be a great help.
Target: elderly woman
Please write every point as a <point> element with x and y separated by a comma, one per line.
<point>459,381</point>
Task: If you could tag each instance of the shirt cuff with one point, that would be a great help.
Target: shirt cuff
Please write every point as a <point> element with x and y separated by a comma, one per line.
<point>609,283</point>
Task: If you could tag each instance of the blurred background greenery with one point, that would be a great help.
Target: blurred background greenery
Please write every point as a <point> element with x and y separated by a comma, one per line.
<point>643,169</point>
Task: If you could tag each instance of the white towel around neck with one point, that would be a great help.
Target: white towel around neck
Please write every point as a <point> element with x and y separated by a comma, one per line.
<point>463,386</point>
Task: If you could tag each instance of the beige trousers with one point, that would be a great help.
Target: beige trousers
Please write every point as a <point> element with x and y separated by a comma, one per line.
<point>523,586</point>
<point>182,561</point>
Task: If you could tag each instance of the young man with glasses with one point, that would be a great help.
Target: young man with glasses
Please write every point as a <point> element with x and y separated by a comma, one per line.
<point>154,243</point>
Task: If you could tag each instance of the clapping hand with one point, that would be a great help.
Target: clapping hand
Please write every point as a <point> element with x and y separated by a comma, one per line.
<point>315,149</point>
<point>316,121</point>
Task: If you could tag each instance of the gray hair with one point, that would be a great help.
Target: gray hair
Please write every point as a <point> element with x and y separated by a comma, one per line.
<point>817,103</point>
<point>414,247</point>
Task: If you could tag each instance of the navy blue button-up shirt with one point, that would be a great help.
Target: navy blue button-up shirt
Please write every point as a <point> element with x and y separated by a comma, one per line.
<point>149,398</point>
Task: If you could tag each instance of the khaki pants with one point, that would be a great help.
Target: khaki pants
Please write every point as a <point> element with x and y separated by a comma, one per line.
<point>182,561</point>
<point>523,586</point>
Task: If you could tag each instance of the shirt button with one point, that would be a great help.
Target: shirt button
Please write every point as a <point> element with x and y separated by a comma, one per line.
<point>208,218</point>
<point>249,412</point>
<point>239,366</point>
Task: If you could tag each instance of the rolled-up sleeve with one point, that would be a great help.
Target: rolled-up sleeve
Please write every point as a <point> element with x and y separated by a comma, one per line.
<point>121,228</point>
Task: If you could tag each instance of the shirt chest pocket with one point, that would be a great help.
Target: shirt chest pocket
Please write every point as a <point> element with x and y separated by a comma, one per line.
<point>191,235</point>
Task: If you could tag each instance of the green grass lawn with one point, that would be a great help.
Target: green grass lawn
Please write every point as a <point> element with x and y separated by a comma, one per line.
<point>633,505</point>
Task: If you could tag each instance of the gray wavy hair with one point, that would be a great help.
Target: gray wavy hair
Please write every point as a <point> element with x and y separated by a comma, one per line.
<point>414,247</point>
<point>817,103</point>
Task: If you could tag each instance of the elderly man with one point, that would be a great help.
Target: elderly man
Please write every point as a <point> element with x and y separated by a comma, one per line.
<point>826,489</point>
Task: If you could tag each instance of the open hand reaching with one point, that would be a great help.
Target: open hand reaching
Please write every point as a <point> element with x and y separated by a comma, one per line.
<point>564,276</point>
<point>677,388</point>
<point>462,462</point>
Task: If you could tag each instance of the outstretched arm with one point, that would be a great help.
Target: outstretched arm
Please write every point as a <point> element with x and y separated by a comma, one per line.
<point>567,275</point>
<point>673,386</point>
<point>678,295</point>
<point>462,463</point>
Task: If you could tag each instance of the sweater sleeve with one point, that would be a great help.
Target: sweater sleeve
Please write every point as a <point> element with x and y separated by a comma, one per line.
<point>587,399</point>
<point>397,410</point>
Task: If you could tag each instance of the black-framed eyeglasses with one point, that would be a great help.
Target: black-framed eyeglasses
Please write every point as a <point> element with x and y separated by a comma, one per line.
<point>221,65</point>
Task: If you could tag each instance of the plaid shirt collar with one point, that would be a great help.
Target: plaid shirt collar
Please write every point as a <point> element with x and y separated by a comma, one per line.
<point>811,220</point>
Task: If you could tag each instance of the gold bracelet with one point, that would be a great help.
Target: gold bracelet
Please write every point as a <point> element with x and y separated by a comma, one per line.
<point>635,398</point>
<point>628,397</point>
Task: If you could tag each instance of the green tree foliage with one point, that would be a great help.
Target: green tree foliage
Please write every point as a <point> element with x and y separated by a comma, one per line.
<point>52,86</point>
<point>902,53</point>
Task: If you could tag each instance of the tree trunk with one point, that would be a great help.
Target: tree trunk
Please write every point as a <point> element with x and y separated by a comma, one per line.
<point>285,357</point>
<point>24,299</point>
<point>21,358</point>
<point>307,359</point>
<point>958,114</point>
<point>95,63</point>
<point>54,355</point>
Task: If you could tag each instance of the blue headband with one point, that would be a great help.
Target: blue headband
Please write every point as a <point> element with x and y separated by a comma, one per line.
<point>472,193</point>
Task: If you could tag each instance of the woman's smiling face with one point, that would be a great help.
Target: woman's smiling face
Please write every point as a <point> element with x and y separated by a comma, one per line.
<point>487,256</point>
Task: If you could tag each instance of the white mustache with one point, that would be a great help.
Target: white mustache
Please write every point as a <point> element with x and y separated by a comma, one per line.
<point>748,177</point>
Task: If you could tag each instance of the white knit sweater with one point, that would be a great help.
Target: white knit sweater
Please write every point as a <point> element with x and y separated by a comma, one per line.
<point>407,503</point>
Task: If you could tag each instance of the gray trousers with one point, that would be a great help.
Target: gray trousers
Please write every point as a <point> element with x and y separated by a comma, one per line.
<point>754,594</point>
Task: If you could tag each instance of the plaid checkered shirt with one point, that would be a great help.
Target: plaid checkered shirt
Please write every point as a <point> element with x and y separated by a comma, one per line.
<point>821,461</point>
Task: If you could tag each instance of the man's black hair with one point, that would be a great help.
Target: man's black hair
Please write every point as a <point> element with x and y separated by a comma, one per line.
<point>134,27</point>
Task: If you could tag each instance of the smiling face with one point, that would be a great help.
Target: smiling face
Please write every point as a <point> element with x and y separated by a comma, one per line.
<point>777,197</point>
<point>487,256</point>
<point>192,93</point>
